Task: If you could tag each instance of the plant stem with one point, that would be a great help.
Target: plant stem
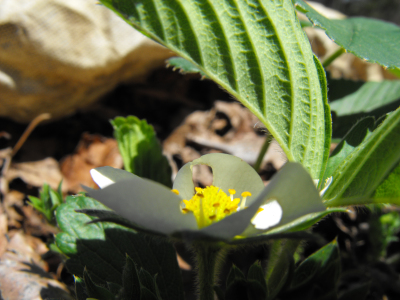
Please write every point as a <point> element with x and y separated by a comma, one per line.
<point>206,265</point>
<point>331,58</point>
<point>261,155</point>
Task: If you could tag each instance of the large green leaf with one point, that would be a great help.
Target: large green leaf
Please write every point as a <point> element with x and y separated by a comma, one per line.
<point>256,51</point>
<point>358,176</point>
<point>140,149</point>
<point>370,96</point>
<point>390,187</point>
<point>372,40</point>
<point>358,133</point>
<point>101,248</point>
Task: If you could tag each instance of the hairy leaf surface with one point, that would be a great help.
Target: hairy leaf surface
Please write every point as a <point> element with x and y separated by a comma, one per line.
<point>257,51</point>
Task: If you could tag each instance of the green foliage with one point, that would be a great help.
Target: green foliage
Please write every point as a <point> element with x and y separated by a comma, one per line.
<point>372,40</point>
<point>357,177</point>
<point>140,149</point>
<point>371,96</point>
<point>317,276</point>
<point>257,52</point>
<point>48,202</point>
<point>101,250</point>
<point>238,286</point>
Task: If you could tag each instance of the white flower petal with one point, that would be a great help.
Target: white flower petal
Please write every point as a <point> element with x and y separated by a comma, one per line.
<point>101,180</point>
<point>270,216</point>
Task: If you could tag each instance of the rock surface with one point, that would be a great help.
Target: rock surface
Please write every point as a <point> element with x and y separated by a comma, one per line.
<point>58,56</point>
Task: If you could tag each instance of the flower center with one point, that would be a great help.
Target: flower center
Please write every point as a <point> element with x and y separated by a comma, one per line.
<point>211,204</point>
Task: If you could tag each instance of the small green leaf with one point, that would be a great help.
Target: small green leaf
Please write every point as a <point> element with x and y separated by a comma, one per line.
<point>235,274</point>
<point>146,294</point>
<point>183,65</point>
<point>146,280</point>
<point>359,175</point>
<point>255,51</point>
<point>80,289</point>
<point>370,39</point>
<point>130,281</point>
<point>140,149</point>
<point>371,96</point>
<point>236,286</point>
<point>325,261</point>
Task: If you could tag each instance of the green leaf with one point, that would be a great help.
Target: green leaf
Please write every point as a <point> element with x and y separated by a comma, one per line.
<point>183,65</point>
<point>390,187</point>
<point>140,149</point>
<point>371,96</point>
<point>317,276</point>
<point>360,131</point>
<point>370,39</point>
<point>324,262</point>
<point>102,248</point>
<point>256,51</point>
<point>94,290</point>
<point>328,119</point>
<point>359,175</point>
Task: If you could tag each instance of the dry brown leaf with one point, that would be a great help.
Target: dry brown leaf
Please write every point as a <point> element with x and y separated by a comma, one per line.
<point>92,151</point>
<point>229,128</point>
<point>12,202</point>
<point>23,273</point>
<point>183,264</point>
<point>36,173</point>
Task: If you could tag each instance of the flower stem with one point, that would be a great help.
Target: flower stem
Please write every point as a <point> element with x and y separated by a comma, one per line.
<point>207,256</point>
<point>261,155</point>
<point>335,55</point>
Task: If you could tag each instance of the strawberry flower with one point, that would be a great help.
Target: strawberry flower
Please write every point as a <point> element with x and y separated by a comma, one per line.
<point>235,206</point>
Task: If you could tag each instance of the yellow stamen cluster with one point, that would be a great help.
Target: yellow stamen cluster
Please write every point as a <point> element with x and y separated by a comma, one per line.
<point>211,204</point>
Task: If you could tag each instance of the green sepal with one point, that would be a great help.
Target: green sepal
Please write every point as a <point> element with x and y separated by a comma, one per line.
<point>96,291</point>
<point>146,294</point>
<point>130,281</point>
<point>219,292</point>
<point>236,285</point>
<point>257,287</point>
<point>280,266</point>
<point>235,274</point>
